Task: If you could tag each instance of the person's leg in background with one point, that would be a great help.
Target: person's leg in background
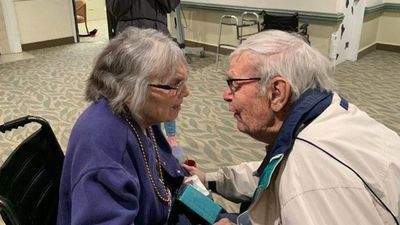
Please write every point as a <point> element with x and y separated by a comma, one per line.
<point>170,130</point>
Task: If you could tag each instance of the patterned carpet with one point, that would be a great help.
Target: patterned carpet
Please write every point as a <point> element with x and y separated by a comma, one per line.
<point>51,85</point>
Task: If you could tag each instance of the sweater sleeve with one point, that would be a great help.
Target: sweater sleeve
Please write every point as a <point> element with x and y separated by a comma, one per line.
<point>236,183</point>
<point>105,196</point>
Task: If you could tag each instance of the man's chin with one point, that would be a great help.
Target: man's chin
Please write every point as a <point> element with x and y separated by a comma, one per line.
<point>242,128</point>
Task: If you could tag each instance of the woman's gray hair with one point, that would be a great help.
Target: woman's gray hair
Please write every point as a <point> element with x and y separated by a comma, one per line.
<point>132,59</point>
<point>288,55</point>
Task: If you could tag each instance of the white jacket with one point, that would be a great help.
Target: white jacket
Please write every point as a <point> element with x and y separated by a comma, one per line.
<point>311,187</point>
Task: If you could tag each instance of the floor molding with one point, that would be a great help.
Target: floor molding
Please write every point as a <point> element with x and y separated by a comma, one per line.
<point>366,51</point>
<point>208,47</point>
<point>388,47</point>
<point>48,43</point>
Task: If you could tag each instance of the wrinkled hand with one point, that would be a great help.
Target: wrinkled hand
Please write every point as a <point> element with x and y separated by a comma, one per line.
<point>223,221</point>
<point>195,171</point>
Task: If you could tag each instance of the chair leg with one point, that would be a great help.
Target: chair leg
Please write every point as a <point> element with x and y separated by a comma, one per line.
<point>87,30</point>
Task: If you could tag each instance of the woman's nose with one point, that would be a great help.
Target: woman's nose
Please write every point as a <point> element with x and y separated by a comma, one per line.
<point>185,91</point>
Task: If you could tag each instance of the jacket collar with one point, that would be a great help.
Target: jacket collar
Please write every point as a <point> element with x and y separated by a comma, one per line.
<point>309,106</point>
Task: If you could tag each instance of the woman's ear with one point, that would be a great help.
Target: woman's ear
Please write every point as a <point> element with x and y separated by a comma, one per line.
<point>280,93</point>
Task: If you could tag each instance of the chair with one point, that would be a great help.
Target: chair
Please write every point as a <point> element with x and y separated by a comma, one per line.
<point>80,10</point>
<point>289,23</point>
<point>30,177</point>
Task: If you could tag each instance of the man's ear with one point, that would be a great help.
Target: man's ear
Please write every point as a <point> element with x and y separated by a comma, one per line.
<point>280,93</point>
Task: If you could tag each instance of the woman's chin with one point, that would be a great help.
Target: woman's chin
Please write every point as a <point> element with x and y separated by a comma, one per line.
<point>177,108</point>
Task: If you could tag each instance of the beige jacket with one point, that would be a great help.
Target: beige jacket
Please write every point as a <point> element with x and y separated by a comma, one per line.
<point>311,187</point>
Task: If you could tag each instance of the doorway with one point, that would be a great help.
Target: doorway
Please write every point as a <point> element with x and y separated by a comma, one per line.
<point>91,20</point>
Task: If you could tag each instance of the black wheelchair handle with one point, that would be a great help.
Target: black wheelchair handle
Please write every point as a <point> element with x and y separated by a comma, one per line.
<point>22,121</point>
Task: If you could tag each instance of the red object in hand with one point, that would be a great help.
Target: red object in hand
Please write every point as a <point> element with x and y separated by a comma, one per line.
<point>190,162</point>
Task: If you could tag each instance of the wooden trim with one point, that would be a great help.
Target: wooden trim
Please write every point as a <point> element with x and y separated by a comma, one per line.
<point>378,46</point>
<point>366,51</point>
<point>384,7</point>
<point>304,16</point>
<point>208,47</point>
<point>227,51</point>
<point>388,47</point>
<point>48,43</point>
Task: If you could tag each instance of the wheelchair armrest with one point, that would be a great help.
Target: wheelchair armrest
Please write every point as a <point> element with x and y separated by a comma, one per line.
<point>304,26</point>
<point>303,29</point>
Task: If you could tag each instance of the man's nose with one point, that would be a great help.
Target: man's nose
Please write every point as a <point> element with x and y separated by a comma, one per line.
<point>227,95</point>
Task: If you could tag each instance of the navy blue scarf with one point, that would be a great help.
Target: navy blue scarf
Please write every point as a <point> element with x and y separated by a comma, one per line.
<point>309,106</point>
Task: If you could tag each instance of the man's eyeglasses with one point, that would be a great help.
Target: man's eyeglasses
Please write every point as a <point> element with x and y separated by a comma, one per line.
<point>234,86</point>
<point>178,88</point>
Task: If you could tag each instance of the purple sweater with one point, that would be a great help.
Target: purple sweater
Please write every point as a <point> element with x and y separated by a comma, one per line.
<point>104,178</point>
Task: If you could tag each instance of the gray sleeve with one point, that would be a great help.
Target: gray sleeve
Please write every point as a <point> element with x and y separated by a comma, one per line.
<point>168,5</point>
<point>118,7</point>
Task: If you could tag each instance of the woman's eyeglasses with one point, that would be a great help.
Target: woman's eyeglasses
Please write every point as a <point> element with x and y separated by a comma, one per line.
<point>178,88</point>
<point>234,86</point>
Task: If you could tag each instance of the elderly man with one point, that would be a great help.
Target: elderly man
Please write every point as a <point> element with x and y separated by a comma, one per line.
<point>327,161</point>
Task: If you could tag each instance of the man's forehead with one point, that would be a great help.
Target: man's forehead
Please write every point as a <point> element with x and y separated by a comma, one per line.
<point>240,65</point>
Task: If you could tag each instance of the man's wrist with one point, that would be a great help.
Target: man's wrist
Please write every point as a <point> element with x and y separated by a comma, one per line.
<point>212,185</point>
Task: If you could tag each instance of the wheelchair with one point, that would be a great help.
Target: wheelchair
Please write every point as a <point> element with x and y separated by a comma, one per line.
<point>30,176</point>
<point>289,23</point>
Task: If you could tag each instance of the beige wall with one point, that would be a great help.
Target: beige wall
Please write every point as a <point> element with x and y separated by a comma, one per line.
<point>95,10</point>
<point>320,36</point>
<point>4,46</point>
<point>42,20</point>
<point>369,30</point>
<point>203,27</point>
<point>389,29</point>
<point>327,6</point>
<point>382,28</point>
<point>369,3</point>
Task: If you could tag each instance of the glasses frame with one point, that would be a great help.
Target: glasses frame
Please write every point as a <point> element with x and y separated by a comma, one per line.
<point>233,88</point>
<point>178,88</point>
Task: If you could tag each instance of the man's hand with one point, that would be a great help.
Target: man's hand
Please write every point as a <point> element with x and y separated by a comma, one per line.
<point>195,171</point>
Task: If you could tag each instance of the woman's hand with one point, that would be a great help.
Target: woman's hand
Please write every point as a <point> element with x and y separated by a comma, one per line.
<point>223,221</point>
<point>195,171</point>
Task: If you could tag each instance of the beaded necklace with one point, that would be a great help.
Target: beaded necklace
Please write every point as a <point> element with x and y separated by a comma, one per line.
<point>167,198</point>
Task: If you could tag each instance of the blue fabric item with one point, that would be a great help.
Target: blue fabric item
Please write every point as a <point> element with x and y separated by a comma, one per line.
<point>104,178</point>
<point>310,105</point>
<point>344,103</point>
<point>178,152</point>
<point>170,128</point>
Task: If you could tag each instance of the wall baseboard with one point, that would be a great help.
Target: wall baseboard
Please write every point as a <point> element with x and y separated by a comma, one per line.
<point>366,51</point>
<point>48,43</point>
<point>388,47</point>
<point>208,47</point>
<point>378,46</point>
<point>362,53</point>
<point>304,16</point>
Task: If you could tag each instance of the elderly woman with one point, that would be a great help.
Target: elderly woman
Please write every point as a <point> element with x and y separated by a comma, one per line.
<point>118,167</point>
